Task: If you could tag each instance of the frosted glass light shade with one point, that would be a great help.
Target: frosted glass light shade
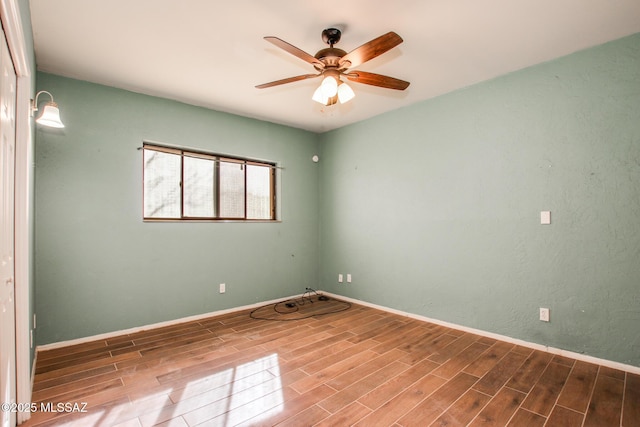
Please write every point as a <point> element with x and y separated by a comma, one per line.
<point>345,93</point>
<point>329,86</point>
<point>319,96</point>
<point>50,116</point>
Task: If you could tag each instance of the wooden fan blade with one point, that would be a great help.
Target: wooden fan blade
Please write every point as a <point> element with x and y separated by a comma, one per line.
<point>377,80</point>
<point>288,80</point>
<point>370,50</point>
<point>295,51</point>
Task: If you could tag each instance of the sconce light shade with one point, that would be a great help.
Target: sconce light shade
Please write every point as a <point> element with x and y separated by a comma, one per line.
<point>50,115</point>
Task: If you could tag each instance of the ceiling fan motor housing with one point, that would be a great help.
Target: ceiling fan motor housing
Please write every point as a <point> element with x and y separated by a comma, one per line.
<point>330,56</point>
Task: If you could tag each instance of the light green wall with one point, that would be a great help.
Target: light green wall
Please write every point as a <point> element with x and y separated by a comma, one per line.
<point>435,209</point>
<point>99,268</point>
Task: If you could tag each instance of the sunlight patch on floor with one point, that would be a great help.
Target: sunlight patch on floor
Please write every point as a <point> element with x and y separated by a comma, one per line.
<point>249,390</point>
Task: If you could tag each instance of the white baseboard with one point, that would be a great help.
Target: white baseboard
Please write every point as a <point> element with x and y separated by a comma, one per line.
<point>552,350</point>
<point>589,359</point>
<point>24,416</point>
<point>108,335</point>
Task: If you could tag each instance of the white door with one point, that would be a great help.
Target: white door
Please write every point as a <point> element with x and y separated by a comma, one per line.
<point>7,291</point>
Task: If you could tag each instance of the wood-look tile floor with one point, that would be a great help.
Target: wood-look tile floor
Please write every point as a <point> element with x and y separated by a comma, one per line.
<point>361,367</point>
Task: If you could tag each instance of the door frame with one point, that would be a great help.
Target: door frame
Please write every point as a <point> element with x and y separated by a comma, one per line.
<point>12,25</point>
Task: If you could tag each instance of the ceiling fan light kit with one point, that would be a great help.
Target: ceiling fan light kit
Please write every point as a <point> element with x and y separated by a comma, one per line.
<point>330,94</point>
<point>331,63</point>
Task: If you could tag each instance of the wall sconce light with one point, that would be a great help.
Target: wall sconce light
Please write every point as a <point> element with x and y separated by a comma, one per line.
<point>50,115</point>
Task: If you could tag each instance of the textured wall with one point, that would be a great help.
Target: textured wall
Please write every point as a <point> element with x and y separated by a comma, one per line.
<point>99,268</point>
<point>435,209</point>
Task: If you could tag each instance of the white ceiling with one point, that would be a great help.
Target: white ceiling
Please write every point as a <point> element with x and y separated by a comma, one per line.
<point>212,53</point>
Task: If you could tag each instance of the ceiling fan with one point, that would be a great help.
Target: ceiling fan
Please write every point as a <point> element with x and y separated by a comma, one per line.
<point>331,63</point>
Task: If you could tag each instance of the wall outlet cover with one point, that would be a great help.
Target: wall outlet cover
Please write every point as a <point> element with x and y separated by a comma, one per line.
<point>544,314</point>
<point>545,217</point>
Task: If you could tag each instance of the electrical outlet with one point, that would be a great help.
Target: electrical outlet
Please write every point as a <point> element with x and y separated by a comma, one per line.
<point>340,278</point>
<point>349,278</point>
<point>223,288</point>
<point>544,314</point>
<point>545,217</point>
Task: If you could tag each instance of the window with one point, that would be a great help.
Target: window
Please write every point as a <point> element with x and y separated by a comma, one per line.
<point>189,185</point>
